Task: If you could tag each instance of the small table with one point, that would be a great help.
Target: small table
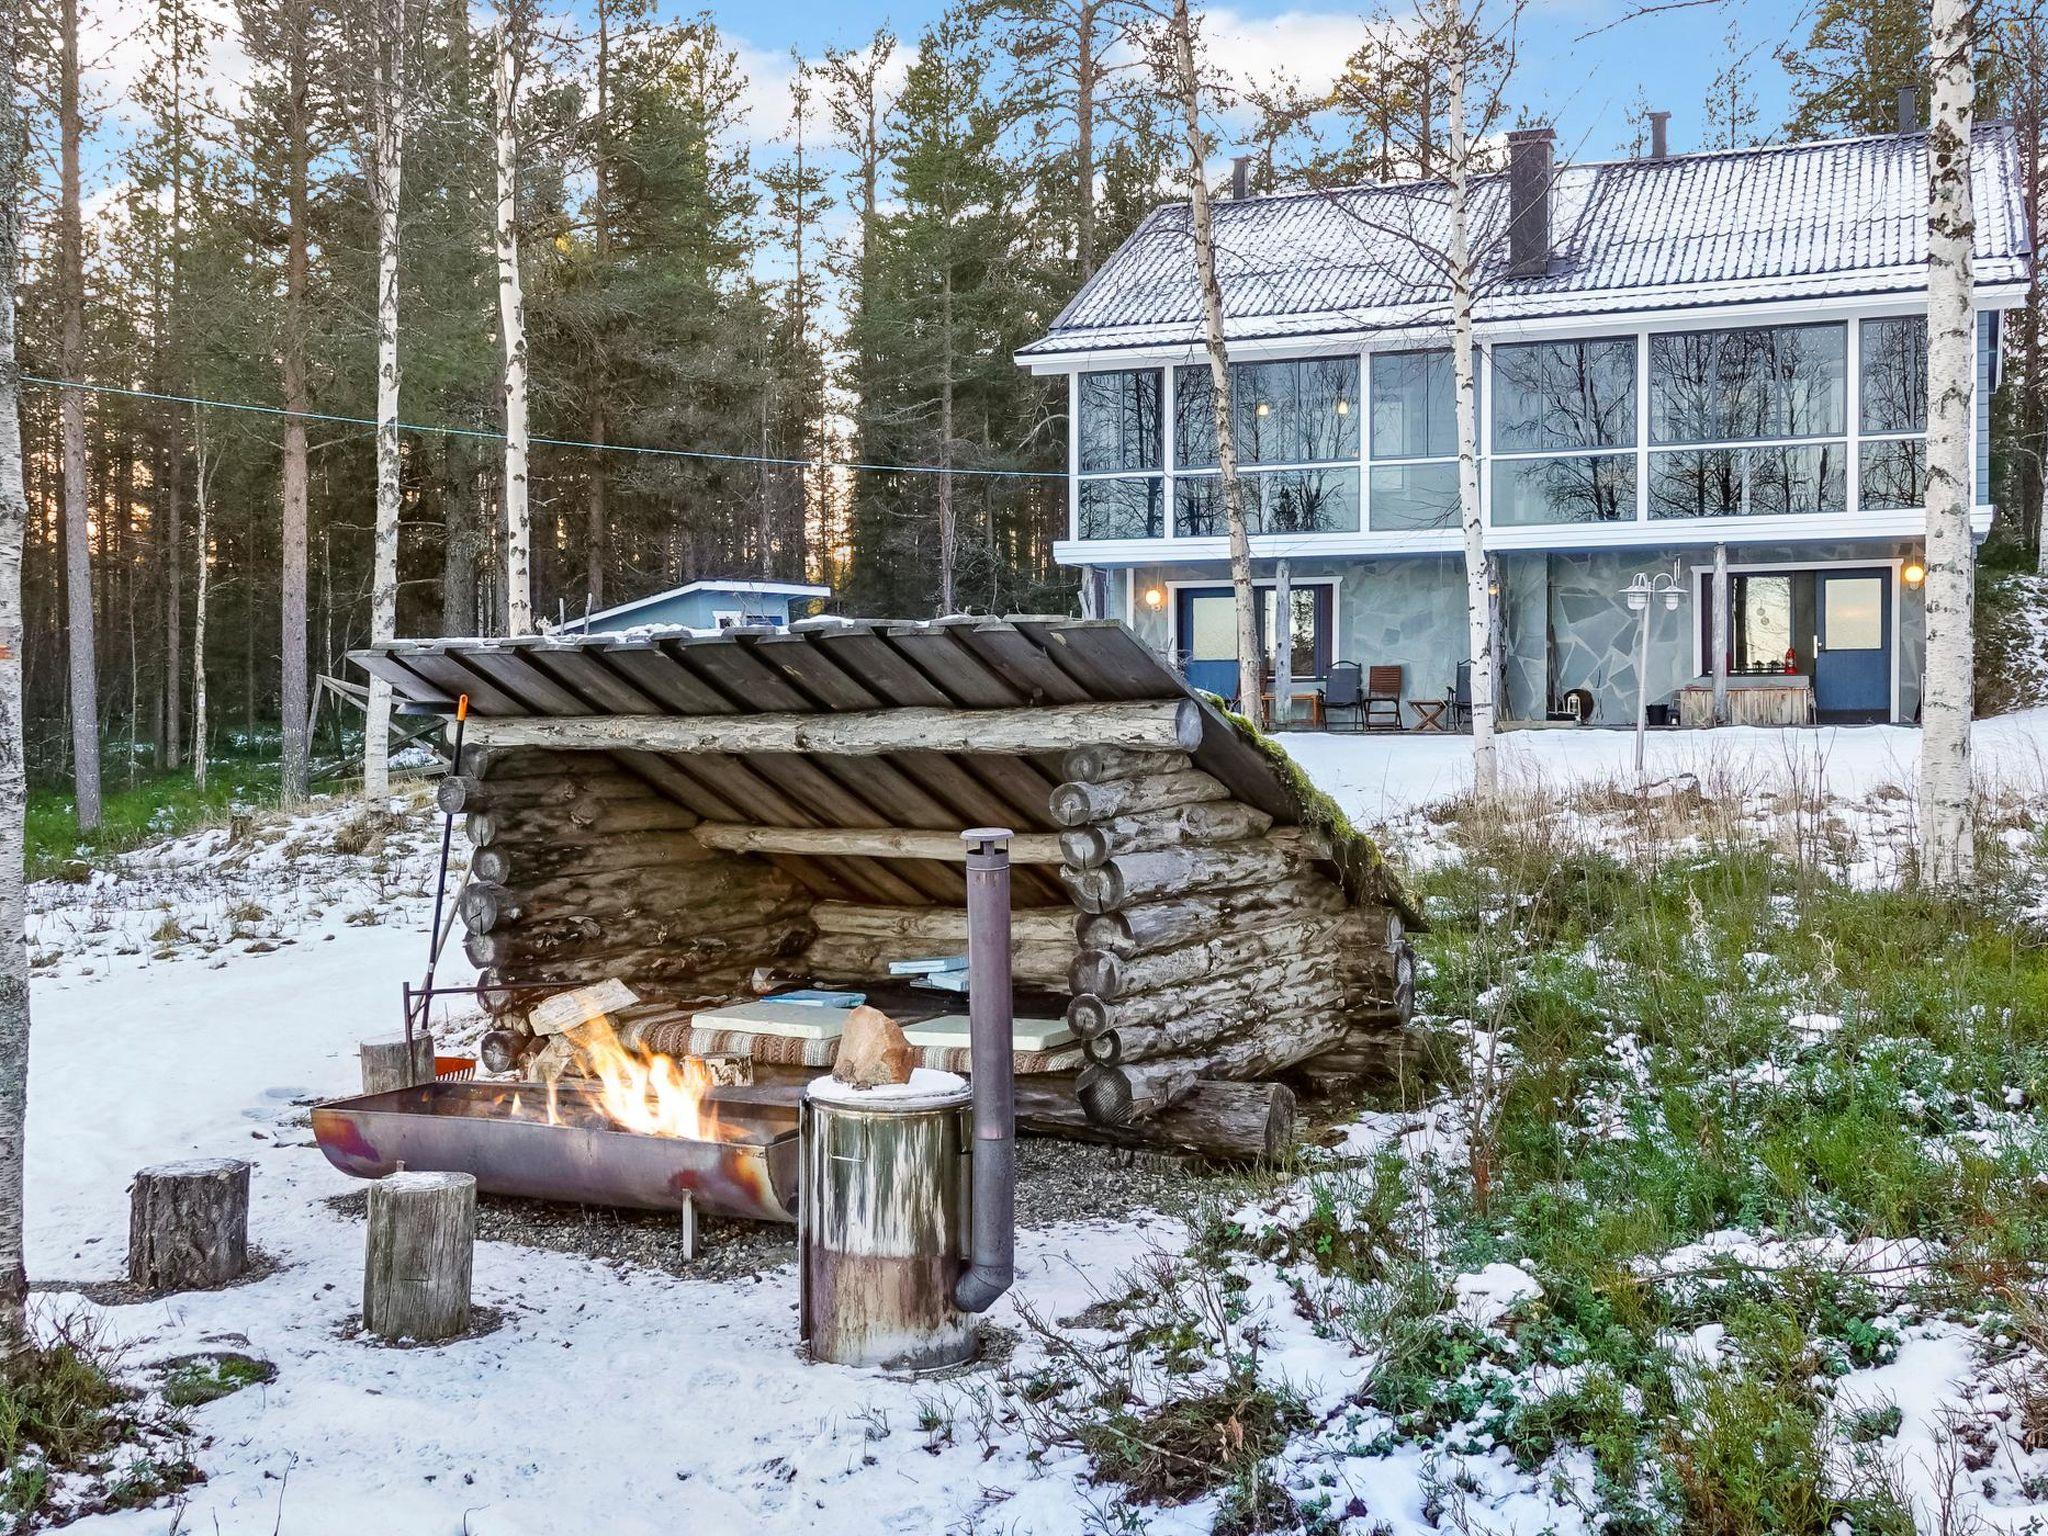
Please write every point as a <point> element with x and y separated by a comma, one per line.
<point>1294,697</point>
<point>1429,714</point>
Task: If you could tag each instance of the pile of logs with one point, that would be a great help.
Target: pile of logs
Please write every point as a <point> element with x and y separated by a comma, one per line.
<point>582,872</point>
<point>1211,943</point>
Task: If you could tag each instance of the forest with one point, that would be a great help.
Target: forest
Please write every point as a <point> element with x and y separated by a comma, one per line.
<point>784,355</point>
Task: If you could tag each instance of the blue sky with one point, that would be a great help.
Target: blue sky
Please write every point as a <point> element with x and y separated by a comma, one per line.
<point>1581,63</point>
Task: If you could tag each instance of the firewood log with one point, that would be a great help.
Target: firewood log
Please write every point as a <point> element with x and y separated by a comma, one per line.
<point>1076,804</point>
<point>1107,975</point>
<point>418,1246</point>
<point>1205,821</point>
<point>1195,1033</point>
<point>554,860</point>
<point>1230,1122</point>
<point>1239,999</point>
<point>188,1224</point>
<point>1192,917</point>
<point>1091,764</point>
<point>1137,877</point>
<point>1115,1095</point>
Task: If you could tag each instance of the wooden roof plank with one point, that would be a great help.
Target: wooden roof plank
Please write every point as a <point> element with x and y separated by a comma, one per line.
<point>966,679</point>
<point>519,677</point>
<point>405,683</point>
<point>450,671</point>
<point>811,670</point>
<point>648,667</point>
<point>860,651</point>
<point>742,677</point>
<point>1008,651</point>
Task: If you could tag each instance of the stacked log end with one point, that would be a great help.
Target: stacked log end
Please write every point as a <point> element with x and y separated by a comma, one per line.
<point>1209,942</point>
<point>581,871</point>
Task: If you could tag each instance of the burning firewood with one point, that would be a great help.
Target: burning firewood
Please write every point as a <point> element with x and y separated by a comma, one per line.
<point>872,1051</point>
<point>566,1011</point>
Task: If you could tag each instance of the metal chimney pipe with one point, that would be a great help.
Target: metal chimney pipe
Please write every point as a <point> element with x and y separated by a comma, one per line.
<point>1660,139</point>
<point>1240,178</point>
<point>1909,109</point>
<point>991,1250</point>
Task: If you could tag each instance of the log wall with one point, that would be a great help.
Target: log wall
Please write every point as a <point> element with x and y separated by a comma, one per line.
<point>582,871</point>
<point>1209,942</point>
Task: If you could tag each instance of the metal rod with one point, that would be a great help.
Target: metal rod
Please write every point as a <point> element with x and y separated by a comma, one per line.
<point>991,1252</point>
<point>441,880</point>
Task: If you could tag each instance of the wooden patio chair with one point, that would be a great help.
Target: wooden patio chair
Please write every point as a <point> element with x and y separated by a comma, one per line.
<point>1383,696</point>
<point>1344,693</point>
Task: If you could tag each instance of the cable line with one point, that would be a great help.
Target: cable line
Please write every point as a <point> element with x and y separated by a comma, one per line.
<point>544,442</point>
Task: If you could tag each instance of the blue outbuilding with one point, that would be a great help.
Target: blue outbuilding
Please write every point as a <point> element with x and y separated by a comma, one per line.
<point>706,605</point>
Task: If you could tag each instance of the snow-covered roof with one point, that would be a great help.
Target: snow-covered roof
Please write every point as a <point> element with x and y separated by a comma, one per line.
<point>1842,217</point>
<point>739,588</point>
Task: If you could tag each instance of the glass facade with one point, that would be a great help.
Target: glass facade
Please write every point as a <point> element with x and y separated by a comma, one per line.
<point>1740,421</point>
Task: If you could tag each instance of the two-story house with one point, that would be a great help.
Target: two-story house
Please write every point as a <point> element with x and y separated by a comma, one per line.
<point>1681,357</point>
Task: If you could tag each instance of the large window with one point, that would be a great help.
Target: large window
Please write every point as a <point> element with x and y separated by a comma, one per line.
<point>1772,390</point>
<point>1414,478</point>
<point>1121,438</point>
<point>1892,412</point>
<point>1286,417</point>
<point>1551,402</point>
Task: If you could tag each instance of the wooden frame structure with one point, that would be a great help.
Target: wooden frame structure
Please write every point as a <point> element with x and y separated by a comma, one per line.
<point>699,812</point>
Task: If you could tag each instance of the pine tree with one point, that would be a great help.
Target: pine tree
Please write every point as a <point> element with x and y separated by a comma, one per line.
<point>1857,56</point>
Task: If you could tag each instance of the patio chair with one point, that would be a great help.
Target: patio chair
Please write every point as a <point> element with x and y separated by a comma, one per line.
<point>1383,696</point>
<point>1461,696</point>
<point>1343,690</point>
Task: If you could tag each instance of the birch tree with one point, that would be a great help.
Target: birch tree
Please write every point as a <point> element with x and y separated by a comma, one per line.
<point>1947,829</point>
<point>14,1014</point>
<point>385,181</point>
<point>512,327</point>
<point>1188,89</point>
<point>1463,276</point>
<point>84,661</point>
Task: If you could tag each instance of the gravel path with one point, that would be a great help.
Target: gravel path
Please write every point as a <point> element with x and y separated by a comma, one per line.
<point>1057,1181</point>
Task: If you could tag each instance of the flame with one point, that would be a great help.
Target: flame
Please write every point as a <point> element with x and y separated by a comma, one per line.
<point>645,1091</point>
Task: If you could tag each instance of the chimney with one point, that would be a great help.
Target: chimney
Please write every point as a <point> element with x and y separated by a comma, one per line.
<point>1240,178</point>
<point>1529,201</point>
<point>1909,109</point>
<point>1660,138</point>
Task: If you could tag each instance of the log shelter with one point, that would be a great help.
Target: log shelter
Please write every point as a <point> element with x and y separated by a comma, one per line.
<point>711,816</point>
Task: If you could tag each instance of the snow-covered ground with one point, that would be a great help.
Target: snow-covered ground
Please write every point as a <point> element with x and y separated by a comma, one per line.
<point>193,1004</point>
<point>1379,778</point>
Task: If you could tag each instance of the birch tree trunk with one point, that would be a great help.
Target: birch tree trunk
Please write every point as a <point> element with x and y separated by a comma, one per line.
<point>174,477</point>
<point>84,661</point>
<point>1084,137</point>
<point>200,467</point>
<point>1465,371</point>
<point>386,179</point>
<point>1249,697</point>
<point>512,322</point>
<point>14,1016</point>
<point>298,401</point>
<point>597,519</point>
<point>1947,830</point>
<point>1282,641</point>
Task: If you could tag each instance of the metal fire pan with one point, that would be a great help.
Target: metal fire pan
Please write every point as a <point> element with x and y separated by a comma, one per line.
<point>457,1127</point>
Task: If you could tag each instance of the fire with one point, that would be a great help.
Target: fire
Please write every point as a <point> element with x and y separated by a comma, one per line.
<point>645,1091</point>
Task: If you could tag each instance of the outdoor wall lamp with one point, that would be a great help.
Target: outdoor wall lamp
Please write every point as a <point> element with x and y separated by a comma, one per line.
<point>1154,598</point>
<point>1913,574</point>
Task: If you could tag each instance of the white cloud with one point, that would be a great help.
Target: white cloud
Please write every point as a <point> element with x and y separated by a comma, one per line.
<point>1310,47</point>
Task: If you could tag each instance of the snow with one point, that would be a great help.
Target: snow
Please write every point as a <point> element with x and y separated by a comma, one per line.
<point>193,1003</point>
<point>1379,778</point>
<point>611,1400</point>
<point>1488,1295</point>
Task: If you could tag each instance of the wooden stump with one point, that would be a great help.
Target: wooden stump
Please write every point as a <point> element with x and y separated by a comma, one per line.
<point>416,1255</point>
<point>389,1064</point>
<point>188,1224</point>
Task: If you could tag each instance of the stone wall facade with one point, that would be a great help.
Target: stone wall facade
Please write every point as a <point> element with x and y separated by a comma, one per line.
<point>1563,619</point>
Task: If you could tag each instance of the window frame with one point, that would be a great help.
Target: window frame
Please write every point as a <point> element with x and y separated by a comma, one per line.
<point>1493,457</point>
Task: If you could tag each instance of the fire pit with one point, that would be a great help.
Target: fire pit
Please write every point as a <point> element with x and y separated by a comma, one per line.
<point>519,1139</point>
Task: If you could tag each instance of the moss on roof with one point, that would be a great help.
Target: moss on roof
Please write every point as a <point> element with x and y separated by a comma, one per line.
<point>1363,868</point>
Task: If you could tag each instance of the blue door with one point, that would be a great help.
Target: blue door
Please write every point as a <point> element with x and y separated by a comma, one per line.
<point>1852,660</point>
<point>1206,635</point>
